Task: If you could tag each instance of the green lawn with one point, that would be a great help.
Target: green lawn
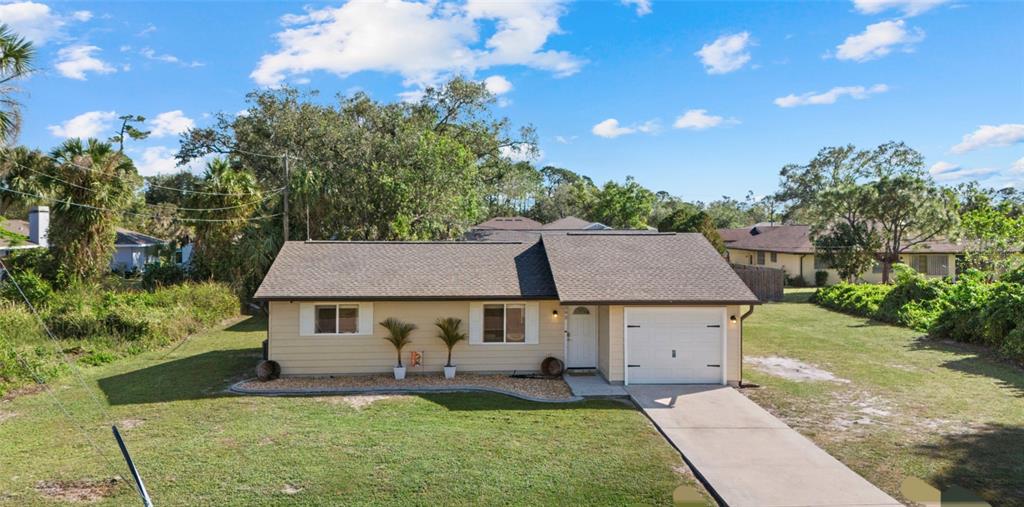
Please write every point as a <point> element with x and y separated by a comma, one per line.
<point>939,411</point>
<point>197,445</point>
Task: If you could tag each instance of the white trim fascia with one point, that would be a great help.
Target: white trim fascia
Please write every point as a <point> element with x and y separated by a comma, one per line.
<point>625,345</point>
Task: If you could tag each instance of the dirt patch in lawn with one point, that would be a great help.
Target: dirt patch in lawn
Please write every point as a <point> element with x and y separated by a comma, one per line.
<point>359,401</point>
<point>291,489</point>
<point>6,415</point>
<point>793,369</point>
<point>130,424</point>
<point>82,491</point>
<point>548,389</point>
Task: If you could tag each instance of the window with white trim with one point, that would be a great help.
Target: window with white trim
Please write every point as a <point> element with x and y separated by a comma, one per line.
<point>336,319</point>
<point>504,323</point>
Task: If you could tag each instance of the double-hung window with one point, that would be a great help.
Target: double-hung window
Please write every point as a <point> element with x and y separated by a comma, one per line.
<point>336,319</point>
<point>504,323</point>
<point>760,258</point>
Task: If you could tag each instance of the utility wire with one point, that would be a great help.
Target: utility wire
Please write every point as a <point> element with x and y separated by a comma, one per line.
<point>154,185</point>
<point>155,217</point>
<point>56,344</point>
<point>268,196</point>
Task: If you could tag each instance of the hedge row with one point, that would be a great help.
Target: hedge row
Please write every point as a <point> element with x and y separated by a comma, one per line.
<point>971,310</point>
<point>95,326</point>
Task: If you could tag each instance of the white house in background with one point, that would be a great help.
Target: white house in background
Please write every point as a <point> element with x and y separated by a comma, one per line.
<point>133,250</point>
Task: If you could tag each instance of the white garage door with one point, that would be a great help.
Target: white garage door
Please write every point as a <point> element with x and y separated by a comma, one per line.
<point>673,345</point>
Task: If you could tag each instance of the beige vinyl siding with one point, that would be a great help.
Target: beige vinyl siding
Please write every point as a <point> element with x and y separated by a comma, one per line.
<point>790,263</point>
<point>602,340</point>
<point>339,355</point>
<point>733,335</point>
<point>616,328</point>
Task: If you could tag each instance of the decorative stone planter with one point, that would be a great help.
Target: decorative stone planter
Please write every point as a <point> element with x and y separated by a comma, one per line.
<point>399,372</point>
<point>449,372</point>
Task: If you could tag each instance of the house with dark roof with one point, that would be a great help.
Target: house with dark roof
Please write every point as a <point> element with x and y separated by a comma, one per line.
<point>522,228</point>
<point>133,250</point>
<point>790,248</point>
<point>637,308</point>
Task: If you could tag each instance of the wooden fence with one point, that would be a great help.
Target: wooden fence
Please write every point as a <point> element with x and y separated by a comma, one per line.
<point>765,283</point>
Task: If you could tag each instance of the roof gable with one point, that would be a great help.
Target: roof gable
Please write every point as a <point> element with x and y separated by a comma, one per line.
<point>409,270</point>
<point>666,268</point>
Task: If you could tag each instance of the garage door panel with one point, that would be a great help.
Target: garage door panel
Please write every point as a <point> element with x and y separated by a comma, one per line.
<point>693,334</point>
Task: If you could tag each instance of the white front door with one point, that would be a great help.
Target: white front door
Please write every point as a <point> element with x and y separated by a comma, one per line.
<point>581,340</point>
<point>674,345</point>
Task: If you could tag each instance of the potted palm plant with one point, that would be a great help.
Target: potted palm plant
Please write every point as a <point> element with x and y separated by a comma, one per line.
<point>398,335</point>
<point>448,332</point>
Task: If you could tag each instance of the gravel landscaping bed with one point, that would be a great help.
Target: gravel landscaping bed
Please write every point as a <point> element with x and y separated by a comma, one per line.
<point>534,389</point>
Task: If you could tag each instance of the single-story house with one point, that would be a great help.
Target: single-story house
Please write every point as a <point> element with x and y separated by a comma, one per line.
<point>525,229</point>
<point>133,250</point>
<point>637,308</point>
<point>789,247</point>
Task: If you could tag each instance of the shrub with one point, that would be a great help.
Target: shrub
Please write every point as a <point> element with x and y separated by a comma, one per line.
<point>162,274</point>
<point>857,299</point>
<point>820,278</point>
<point>911,286</point>
<point>1004,318</point>
<point>795,281</point>
<point>36,289</point>
<point>960,316</point>
<point>268,370</point>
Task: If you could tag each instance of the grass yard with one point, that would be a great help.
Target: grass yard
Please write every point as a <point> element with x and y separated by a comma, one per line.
<point>939,411</point>
<point>197,445</point>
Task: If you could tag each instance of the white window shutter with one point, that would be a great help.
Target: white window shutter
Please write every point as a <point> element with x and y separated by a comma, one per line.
<point>306,319</point>
<point>532,323</point>
<point>476,323</point>
<point>366,318</point>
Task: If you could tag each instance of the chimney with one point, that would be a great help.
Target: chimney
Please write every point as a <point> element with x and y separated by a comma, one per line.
<point>39,225</point>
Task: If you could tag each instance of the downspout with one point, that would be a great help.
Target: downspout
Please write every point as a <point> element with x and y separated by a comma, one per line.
<point>802,267</point>
<point>742,318</point>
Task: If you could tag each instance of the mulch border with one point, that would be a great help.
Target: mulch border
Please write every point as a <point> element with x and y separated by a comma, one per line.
<point>238,388</point>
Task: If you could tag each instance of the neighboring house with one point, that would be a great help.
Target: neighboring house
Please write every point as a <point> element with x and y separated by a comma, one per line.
<point>133,250</point>
<point>789,247</point>
<point>638,308</point>
<point>525,229</point>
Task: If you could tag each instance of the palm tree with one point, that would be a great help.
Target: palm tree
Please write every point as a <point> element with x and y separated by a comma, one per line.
<point>448,332</point>
<point>398,334</point>
<point>16,54</point>
<point>91,184</point>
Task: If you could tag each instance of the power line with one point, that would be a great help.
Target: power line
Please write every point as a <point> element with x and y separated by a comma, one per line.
<point>155,217</point>
<point>268,196</point>
<point>56,345</point>
<point>154,185</point>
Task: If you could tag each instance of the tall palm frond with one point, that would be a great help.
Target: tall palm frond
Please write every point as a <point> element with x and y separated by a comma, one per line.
<point>448,332</point>
<point>398,334</point>
<point>16,55</point>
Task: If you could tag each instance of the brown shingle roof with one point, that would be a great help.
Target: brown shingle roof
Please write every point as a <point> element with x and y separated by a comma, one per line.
<point>408,270</point>
<point>637,269</point>
<point>797,239</point>
<point>568,223</point>
<point>510,223</point>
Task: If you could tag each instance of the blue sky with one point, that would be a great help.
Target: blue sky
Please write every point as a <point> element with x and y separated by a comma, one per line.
<point>699,99</point>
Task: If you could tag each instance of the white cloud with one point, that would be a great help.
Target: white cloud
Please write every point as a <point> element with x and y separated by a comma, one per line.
<point>85,125</point>
<point>150,54</point>
<point>878,40</point>
<point>82,16</point>
<point>831,96</point>
<point>75,61</point>
<point>146,31</point>
<point>34,21</point>
<point>565,139</point>
<point>520,153</point>
<point>643,7</point>
<point>945,171</point>
<point>909,7</point>
<point>1017,167</point>
<point>170,123</point>
<point>422,42</point>
<point>160,160</point>
<point>611,129</point>
<point>726,54</point>
<point>156,160</point>
<point>498,85</point>
<point>991,136</point>
<point>699,119</point>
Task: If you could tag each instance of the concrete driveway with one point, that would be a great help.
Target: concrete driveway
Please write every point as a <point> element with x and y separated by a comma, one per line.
<point>746,455</point>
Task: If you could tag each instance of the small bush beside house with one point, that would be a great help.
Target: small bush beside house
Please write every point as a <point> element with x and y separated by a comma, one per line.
<point>970,310</point>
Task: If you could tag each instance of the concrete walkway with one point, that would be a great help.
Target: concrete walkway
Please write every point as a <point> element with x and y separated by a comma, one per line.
<point>746,455</point>
<point>592,385</point>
